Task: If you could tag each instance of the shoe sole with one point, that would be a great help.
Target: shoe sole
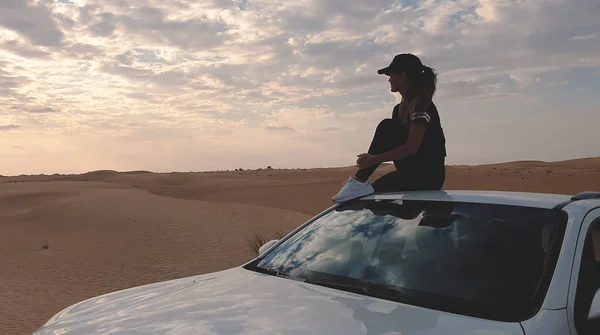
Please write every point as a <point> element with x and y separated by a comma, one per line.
<point>354,196</point>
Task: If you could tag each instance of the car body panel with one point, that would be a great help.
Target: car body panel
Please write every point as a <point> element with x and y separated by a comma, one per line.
<point>559,286</point>
<point>590,218</point>
<point>526,199</point>
<point>239,301</point>
<point>547,322</point>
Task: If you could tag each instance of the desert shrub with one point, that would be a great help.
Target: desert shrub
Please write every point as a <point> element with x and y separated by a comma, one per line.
<point>256,240</point>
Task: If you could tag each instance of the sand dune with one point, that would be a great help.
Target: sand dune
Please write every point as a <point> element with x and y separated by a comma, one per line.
<point>105,237</point>
<point>107,230</point>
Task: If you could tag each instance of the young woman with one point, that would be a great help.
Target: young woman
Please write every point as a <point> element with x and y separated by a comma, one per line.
<point>413,138</point>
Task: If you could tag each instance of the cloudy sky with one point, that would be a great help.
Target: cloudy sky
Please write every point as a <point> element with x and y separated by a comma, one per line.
<point>185,85</point>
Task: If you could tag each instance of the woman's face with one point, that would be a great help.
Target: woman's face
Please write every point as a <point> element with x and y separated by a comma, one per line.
<point>398,82</point>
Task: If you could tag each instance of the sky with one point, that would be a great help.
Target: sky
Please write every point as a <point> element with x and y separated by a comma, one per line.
<point>222,84</point>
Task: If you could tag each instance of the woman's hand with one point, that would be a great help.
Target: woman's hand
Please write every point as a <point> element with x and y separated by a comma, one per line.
<point>366,160</point>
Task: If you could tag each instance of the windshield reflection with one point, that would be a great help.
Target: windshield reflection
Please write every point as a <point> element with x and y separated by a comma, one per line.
<point>472,255</point>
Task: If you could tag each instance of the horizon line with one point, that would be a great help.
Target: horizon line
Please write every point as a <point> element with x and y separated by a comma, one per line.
<point>291,168</point>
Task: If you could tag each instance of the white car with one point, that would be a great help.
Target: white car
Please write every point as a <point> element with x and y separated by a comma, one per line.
<point>413,263</point>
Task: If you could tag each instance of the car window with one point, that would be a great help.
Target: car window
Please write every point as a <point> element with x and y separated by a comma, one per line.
<point>487,260</point>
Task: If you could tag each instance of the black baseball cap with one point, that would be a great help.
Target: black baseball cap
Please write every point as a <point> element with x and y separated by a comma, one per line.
<point>405,62</point>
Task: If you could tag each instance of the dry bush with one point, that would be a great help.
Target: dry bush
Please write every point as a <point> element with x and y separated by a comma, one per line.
<point>258,239</point>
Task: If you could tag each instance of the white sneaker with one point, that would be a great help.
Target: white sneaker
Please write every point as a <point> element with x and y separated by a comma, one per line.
<point>353,189</point>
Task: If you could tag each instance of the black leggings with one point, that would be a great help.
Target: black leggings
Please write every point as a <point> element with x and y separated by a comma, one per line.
<point>409,175</point>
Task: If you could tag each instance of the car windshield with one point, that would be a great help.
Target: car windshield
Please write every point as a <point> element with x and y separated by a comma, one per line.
<point>485,260</point>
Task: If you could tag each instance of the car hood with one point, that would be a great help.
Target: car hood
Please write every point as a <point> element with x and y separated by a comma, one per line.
<point>239,301</point>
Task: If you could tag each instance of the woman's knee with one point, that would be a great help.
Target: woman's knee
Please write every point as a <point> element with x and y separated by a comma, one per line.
<point>386,121</point>
<point>389,126</point>
<point>385,125</point>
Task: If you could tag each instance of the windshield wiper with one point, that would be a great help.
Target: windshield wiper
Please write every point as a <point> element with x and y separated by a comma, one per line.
<point>361,287</point>
<point>273,272</point>
<point>266,271</point>
<point>367,287</point>
<point>356,287</point>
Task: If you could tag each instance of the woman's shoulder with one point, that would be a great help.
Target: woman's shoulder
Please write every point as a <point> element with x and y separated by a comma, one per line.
<point>431,108</point>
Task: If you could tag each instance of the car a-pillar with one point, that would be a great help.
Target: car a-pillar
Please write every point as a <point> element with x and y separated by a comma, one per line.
<point>584,291</point>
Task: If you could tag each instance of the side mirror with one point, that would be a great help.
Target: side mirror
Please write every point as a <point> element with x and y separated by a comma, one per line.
<point>594,313</point>
<point>266,246</point>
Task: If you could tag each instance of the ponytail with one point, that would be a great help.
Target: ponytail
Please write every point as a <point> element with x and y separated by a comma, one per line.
<point>423,85</point>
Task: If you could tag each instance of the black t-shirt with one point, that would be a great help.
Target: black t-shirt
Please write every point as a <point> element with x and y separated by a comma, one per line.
<point>433,147</point>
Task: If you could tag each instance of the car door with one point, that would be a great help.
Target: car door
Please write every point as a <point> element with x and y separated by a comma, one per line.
<point>585,278</point>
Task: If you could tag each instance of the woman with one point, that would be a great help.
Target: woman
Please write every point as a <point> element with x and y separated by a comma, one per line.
<point>413,138</point>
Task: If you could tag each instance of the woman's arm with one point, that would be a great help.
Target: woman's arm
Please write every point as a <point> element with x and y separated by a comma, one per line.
<point>411,147</point>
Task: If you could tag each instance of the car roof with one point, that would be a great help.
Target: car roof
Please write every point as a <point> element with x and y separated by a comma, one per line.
<point>527,199</point>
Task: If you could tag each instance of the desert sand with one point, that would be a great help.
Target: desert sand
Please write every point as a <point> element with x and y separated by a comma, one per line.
<point>65,238</point>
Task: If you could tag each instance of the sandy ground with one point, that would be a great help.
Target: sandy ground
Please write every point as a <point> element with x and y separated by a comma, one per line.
<point>106,231</point>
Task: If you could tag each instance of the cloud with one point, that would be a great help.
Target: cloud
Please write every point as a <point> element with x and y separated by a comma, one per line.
<point>279,128</point>
<point>35,22</point>
<point>9,127</point>
<point>34,109</point>
<point>23,50</point>
<point>82,51</point>
<point>10,83</point>
<point>154,25</point>
<point>104,25</point>
<point>215,70</point>
<point>42,110</point>
<point>584,37</point>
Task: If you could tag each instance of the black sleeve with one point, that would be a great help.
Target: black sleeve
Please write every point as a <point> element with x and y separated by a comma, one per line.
<point>421,118</point>
<point>424,117</point>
